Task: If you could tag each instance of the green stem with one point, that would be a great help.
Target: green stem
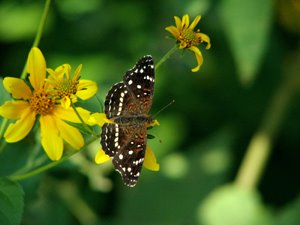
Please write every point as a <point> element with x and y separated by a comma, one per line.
<point>38,34</point>
<point>49,165</point>
<point>24,72</point>
<point>260,146</point>
<point>2,130</point>
<point>166,56</point>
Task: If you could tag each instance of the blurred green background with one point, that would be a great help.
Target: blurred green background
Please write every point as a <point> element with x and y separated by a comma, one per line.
<point>203,136</point>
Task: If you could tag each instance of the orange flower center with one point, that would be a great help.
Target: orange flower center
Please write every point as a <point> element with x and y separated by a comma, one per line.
<point>66,88</point>
<point>41,103</point>
<point>188,38</point>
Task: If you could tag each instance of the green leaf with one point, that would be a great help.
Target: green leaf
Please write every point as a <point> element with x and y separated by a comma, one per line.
<point>18,21</point>
<point>11,202</point>
<point>290,213</point>
<point>233,205</point>
<point>3,93</point>
<point>79,126</point>
<point>247,26</point>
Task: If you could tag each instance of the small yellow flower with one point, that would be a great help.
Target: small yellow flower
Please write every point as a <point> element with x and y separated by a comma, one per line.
<point>150,161</point>
<point>67,89</point>
<point>37,103</point>
<point>188,38</point>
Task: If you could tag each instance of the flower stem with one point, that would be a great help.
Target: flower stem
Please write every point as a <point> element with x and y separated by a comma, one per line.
<point>166,56</point>
<point>2,130</point>
<point>38,34</point>
<point>260,146</point>
<point>49,165</point>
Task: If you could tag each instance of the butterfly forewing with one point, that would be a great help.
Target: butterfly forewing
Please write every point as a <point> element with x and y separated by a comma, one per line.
<point>118,99</point>
<point>140,82</point>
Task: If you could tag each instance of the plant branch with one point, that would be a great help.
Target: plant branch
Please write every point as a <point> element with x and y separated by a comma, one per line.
<point>260,146</point>
<point>38,34</point>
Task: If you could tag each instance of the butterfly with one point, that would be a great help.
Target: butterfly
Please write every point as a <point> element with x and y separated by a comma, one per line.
<point>127,104</point>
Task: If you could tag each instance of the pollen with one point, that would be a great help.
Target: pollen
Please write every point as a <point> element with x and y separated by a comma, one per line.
<point>189,38</point>
<point>66,88</point>
<point>41,103</point>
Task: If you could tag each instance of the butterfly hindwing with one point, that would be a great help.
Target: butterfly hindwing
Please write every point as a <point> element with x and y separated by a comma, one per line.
<point>128,160</point>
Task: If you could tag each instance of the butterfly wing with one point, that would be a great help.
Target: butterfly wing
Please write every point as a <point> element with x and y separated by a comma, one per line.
<point>140,82</point>
<point>112,138</point>
<point>126,144</point>
<point>134,95</point>
<point>118,101</point>
<point>128,161</point>
<point>126,139</point>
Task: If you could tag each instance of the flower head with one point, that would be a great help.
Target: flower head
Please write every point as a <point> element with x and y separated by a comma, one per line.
<point>67,89</point>
<point>189,38</point>
<point>37,103</point>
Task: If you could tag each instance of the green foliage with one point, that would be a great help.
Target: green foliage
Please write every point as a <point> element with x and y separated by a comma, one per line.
<point>11,202</point>
<point>247,27</point>
<point>10,27</point>
<point>202,138</point>
<point>233,205</point>
<point>289,214</point>
<point>3,93</point>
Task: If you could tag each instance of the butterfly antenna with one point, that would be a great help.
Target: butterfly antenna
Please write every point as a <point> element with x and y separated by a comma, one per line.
<point>163,108</point>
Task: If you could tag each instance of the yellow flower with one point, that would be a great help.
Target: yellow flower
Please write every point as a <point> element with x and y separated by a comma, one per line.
<point>188,38</point>
<point>150,160</point>
<point>38,104</point>
<point>67,89</point>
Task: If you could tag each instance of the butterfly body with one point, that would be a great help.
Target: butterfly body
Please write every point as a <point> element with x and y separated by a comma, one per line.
<point>127,104</point>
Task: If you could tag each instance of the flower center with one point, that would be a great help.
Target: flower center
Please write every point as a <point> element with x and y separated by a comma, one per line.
<point>66,88</point>
<point>189,38</point>
<point>41,103</point>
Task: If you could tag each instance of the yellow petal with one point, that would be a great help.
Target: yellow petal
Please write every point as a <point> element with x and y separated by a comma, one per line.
<point>13,110</point>
<point>77,73</point>
<point>178,22</point>
<point>185,21</point>
<point>99,119</point>
<point>18,130</point>
<point>65,102</point>
<point>182,45</point>
<point>58,73</point>
<point>68,70</point>
<point>154,123</point>
<point>86,89</point>
<point>101,157</point>
<point>195,22</point>
<point>199,58</point>
<point>70,134</point>
<point>50,139</point>
<point>206,39</point>
<point>150,160</point>
<point>69,114</point>
<point>17,87</point>
<point>173,30</point>
<point>36,67</point>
